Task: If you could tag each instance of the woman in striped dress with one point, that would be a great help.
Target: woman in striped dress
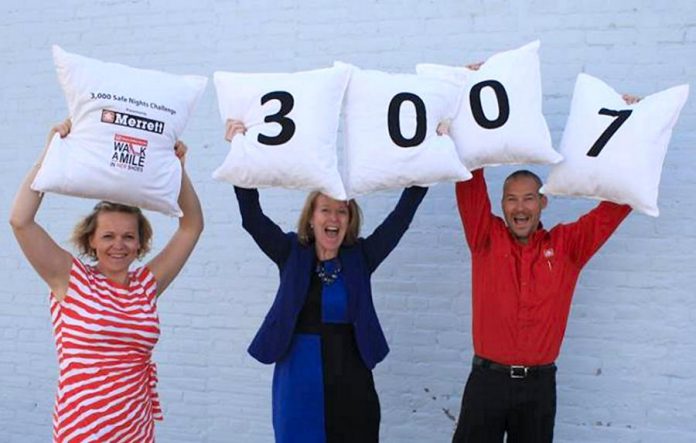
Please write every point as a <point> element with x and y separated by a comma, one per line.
<point>105,315</point>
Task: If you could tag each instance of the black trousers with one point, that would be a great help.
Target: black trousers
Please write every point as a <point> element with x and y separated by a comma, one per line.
<point>494,404</point>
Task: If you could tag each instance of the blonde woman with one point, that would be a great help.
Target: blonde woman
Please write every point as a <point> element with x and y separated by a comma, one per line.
<point>322,331</point>
<point>105,314</point>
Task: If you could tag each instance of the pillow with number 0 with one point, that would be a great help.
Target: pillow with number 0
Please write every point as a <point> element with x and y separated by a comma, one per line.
<point>390,132</point>
<point>292,124</point>
<point>614,151</point>
<point>499,120</point>
<point>125,122</point>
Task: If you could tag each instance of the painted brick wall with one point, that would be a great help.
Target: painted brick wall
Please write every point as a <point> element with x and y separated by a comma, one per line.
<point>629,358</point>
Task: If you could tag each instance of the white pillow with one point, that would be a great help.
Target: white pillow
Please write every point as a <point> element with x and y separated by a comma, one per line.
<point>499,120</point>
<point>292,124</point>
<point>390,139</point>
<point>125,122</point>
<point>614,151</point>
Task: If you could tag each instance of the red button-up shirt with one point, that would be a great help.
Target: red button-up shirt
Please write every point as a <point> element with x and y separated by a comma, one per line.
<point>521,293</point>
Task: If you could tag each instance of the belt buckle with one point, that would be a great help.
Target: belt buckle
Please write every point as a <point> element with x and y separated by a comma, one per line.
<point>518,371</point>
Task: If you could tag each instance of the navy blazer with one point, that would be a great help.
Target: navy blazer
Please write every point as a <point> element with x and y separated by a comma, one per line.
<point>296,262</point>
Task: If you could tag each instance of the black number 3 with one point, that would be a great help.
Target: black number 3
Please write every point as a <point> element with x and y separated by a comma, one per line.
<point>287,125</point>
<point>621,117</point>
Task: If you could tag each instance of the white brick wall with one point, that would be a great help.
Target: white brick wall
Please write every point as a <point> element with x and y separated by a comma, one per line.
<point>628,362</point>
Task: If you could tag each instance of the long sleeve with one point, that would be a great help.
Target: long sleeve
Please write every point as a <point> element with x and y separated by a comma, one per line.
<point>592,230</point>
<point>474,209</point>
<point>270,238</point>
<point>386,236</point>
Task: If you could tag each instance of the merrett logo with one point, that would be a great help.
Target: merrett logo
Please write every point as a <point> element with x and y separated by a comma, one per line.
<point>132,121</point>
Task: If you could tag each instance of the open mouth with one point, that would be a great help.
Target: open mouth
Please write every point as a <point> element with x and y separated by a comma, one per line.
<point>331,231</point>
<point>519,220</point>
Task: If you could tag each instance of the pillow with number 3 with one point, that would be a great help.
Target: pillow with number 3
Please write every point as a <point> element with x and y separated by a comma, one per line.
<point>292,123</point>
<point>614,151</point>
<point>499,120</point>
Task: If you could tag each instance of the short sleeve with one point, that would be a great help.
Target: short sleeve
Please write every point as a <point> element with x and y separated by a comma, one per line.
<point>147,280</point>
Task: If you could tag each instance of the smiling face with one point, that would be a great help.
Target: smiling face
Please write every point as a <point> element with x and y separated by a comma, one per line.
<point>522,205</point>
<point>329,224</point>
<point>116,243</point>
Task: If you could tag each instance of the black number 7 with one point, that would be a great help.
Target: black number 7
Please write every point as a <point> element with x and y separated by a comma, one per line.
<point>621,117</point>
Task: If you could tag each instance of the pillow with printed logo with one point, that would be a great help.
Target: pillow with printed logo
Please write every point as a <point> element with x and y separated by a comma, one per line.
<point>615,151</point>
<point>292,124</point>
<point>390,132</point>
<point>499,119</point>
<point>125,122</point>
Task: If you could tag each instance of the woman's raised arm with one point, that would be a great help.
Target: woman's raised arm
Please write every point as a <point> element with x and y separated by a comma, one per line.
<point>50,261</point>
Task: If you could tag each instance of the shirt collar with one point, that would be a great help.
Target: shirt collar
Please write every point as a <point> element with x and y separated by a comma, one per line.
<point>533,238</point>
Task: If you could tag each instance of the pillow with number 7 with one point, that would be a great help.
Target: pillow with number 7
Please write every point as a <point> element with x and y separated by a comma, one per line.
<point>292,123</point>
<point>614,151</point>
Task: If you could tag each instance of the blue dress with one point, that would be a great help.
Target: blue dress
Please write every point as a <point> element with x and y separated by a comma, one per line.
<point>322,390</point>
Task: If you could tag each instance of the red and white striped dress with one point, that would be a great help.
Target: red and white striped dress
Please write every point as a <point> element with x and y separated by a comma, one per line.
<point>105,333</point>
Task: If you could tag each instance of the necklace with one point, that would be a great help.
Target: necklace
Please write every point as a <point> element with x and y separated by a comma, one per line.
<point>328,276</point>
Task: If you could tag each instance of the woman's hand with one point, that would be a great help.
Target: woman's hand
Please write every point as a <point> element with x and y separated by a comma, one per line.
<point>63,128</point>
<point>180,150</point>
<point>232,128</point>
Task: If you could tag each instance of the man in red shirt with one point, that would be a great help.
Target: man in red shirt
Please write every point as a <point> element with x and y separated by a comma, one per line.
<point>523,278</point>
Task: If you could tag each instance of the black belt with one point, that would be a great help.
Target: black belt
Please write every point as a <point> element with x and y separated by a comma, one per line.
<point>514,371</point>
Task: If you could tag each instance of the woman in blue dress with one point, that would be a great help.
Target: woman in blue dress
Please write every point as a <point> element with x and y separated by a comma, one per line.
<point>322,331</point>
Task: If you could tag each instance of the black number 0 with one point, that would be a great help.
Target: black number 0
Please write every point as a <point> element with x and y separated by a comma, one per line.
<point>287,125</point>
<point>394,123</point>
<point>477,106</point>
<point>621,117</point>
